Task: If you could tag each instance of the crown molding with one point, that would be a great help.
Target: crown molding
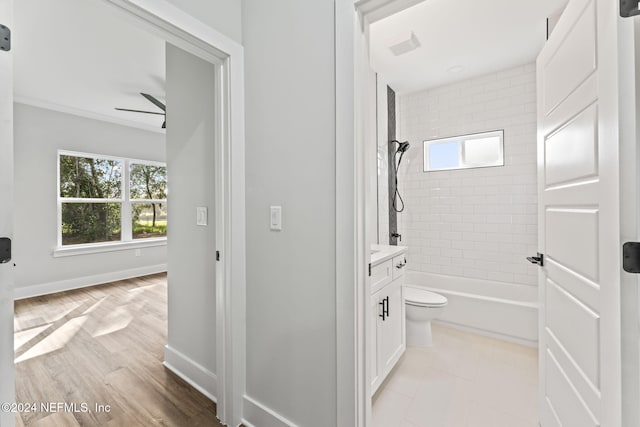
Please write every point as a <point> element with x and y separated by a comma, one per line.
<point>34,102</point>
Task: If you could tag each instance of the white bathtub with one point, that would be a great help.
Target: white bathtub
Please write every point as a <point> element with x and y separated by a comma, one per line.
<point>501,310</point>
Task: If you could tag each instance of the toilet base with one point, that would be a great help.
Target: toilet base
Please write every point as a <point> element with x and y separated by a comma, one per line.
<point>419,333</point>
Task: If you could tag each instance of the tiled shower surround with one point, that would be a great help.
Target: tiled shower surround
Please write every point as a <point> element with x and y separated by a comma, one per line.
<point>477,223</point>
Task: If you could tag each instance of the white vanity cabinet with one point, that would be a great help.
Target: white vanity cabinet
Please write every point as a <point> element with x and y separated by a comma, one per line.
<point>387,329</point>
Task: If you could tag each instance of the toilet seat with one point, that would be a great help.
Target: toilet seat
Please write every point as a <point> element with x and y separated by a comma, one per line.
<point>423,298</point>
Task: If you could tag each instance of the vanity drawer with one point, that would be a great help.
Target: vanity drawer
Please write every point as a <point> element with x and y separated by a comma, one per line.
<point>399,266</point>
<point>381,274</point>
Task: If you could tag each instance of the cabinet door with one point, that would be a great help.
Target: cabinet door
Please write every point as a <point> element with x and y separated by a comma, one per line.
<point>391,338</point>
<point>381,275</point>
<point>375,371</point>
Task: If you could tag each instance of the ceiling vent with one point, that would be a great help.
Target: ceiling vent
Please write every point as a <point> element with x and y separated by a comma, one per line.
<point>405,46</point>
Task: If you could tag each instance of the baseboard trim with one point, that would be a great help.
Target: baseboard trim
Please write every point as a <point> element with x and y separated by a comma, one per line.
<point>490,334</point>
<point>193,373</point>
<point>85,281</point>
<point>255,414</point>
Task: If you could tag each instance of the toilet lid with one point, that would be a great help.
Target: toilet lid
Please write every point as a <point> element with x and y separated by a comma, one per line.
<point>422,297</point>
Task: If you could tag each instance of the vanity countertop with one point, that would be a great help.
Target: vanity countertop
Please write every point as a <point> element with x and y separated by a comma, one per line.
<point>381,253</point>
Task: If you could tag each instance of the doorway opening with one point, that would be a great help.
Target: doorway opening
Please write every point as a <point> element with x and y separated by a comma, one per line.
<point>450,256</point>
<point>199,154</point>
<point>469,218</point>
<point>455,275</point>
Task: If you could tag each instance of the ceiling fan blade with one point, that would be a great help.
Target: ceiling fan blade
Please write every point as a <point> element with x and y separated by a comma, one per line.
<point>140,111</point>
<point>154,101</point>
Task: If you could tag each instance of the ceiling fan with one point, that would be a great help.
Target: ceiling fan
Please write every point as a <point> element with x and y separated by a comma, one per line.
<point>155,102</point>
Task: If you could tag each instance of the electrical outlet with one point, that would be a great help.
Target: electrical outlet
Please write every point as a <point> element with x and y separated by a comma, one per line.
<point>137,252</point>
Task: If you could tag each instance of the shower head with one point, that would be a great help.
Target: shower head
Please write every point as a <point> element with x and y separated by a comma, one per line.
<point>402,146</point>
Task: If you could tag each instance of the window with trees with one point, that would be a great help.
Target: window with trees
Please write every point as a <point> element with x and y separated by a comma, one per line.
<point>107,199</point>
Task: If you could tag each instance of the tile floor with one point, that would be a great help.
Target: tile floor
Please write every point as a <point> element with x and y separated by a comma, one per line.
<point>465,380</point>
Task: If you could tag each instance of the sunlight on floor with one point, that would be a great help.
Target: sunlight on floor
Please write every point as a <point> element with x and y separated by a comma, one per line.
<point>115,321</point>
<point>55,341</point>
<point>143,288</point>
<point>96,305</point>
<point>45,316</point>
<point>23,337</point>
<point>94,320</point>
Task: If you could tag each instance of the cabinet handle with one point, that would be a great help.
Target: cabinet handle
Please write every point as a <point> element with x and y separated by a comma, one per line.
<point>399,266</point>
<point>383,311</point>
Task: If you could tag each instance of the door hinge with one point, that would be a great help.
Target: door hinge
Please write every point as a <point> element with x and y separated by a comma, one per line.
<point>5,250</point>
<point>369,269</point>
<point>217,255</point>
<point>5,38</point>
<point>537,259</point>
<point>631,257</point>
<point>629,8</point>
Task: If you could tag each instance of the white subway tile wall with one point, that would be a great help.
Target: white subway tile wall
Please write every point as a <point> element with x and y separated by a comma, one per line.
<point>477,223</point>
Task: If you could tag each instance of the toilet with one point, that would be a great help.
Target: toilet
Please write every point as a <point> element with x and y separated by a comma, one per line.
<point>422,306</point>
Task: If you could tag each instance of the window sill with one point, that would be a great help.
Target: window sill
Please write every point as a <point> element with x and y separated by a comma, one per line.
<point>95,248</point>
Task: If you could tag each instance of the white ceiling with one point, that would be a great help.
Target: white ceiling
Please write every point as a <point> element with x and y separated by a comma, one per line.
<point>82,56</point>
<point>482,36</point>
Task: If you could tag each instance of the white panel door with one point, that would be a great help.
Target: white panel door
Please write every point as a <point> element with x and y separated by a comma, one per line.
<point>579,211</point>
<point>7,383</point>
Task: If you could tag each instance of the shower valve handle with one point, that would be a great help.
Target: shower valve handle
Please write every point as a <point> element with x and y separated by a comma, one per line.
<point>539,260</point>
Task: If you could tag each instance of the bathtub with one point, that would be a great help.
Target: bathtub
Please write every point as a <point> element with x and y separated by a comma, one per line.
<point>496,309</point>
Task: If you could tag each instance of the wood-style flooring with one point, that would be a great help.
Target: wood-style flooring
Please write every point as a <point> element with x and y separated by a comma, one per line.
<point>102,345</point>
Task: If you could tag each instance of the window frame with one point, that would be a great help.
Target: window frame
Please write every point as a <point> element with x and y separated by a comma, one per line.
<point>461,148</point>
<point>126,227</point>
<point>130,202</point>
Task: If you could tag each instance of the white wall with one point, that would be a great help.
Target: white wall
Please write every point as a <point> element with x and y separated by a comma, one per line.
<point>222,15</point>
<point>475,223</point>
<point>39,134</point>
<point>291,162</point>
<point>191,248</point>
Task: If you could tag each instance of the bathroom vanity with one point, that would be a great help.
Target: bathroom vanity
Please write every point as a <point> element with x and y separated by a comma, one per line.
<point>387,310</point>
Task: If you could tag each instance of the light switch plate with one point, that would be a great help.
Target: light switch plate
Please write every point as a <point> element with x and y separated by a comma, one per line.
<point>201,215</point>
<point>276,218</point>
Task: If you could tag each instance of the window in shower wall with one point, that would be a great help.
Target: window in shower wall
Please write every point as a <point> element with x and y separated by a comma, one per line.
<point>478,150</point>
